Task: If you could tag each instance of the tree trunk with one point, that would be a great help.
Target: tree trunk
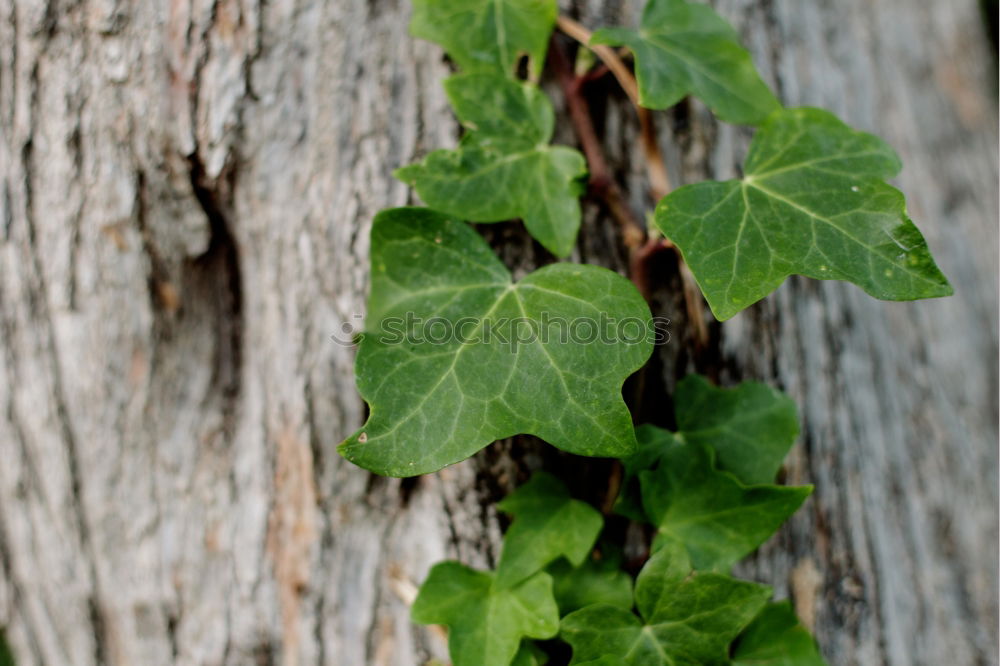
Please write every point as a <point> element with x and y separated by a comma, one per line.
<point>186,189</point>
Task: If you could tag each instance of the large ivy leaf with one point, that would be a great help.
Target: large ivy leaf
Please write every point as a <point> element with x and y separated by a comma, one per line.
<point>548,524</point>
<point>775,638</point>
<point>750,427</point>
<point>686,48</point>
<point>688,619</point>
<point>812,202</point>
<point>487,34</point>
<point>715,516</point>
<point>486,622</point>
<point>504,167</point>
<point>455,357</point>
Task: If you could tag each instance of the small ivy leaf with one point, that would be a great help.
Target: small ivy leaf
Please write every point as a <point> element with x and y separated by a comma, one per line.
<point>686,48</point>
<point>776,638</point>
<point>653,443</point>
<point>594,582</point>
<point>750,427</point>
<point>529,655</point>
<point>548,524</point>
<point>486,623</point>
<point>487,34</point>
<point>457,356</point>
<point>540,185</point>
<point>504,167</point>
<point>501,113</point>
<point>813,202</point>
<point>688,619</point>
<point>717,518</point>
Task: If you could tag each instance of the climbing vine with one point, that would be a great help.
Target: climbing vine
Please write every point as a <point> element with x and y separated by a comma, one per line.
<point>457,354</point>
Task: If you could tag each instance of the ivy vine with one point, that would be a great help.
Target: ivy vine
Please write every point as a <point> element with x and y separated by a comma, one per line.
<point>457,354</point>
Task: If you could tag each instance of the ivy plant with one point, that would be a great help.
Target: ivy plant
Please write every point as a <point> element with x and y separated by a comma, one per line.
<point>749,428</point>
<point>776,638</point>
<point>684,617</point>
<point>486,621</point>
<point>684,48</point>
<point>716,516</point>
<point>503,364</point>
<point>456,353</point>
<point>487,35</point>
<point>504,167</point>
<point>813,201</point>
<point>548,525</point>
<point>688,613</point>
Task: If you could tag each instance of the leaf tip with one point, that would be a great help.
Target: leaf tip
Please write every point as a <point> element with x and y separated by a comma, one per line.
<point>408,174</point>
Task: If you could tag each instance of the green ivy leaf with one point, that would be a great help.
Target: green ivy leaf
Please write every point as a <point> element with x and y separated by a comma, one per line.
<point>596,581</point>
<point>435,402</point>
<point>688,619</point>
<point>500,113</point>
<point>717,518</point>
<point>487,34</point>
<point>653,443</point>
<point>775,638</point>
<point>686,48</point>
<point>750,427</point>
<point>486,623</point>
<point>813,202</point>
<point>549,524</point>
<point>504,167</point>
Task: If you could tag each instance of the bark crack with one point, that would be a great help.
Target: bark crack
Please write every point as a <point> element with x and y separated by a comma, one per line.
<point>8,214</point>
<point>75,143</point>
<point>222,260</point>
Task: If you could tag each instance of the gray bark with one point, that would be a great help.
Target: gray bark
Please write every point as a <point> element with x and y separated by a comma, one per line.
<point>185,194</point>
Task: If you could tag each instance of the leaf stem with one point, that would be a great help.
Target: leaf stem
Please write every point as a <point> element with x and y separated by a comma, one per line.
<point>607,55</point>
<point>659,181</point>
<point>601,181</point>
<point>641,248</point>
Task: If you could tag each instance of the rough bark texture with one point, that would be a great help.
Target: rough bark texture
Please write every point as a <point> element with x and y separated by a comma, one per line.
<point>185,194</point>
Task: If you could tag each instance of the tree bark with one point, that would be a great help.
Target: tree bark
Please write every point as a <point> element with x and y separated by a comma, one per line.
<point>186,189</point>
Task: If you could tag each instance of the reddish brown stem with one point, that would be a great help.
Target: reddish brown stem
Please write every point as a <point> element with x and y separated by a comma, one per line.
<point>607,55</point>
<point>596,73</point>
<point>659,180</point>
<point>601,182</point>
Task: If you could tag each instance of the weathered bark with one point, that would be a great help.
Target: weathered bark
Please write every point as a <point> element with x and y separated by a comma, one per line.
<point>185,194</point>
